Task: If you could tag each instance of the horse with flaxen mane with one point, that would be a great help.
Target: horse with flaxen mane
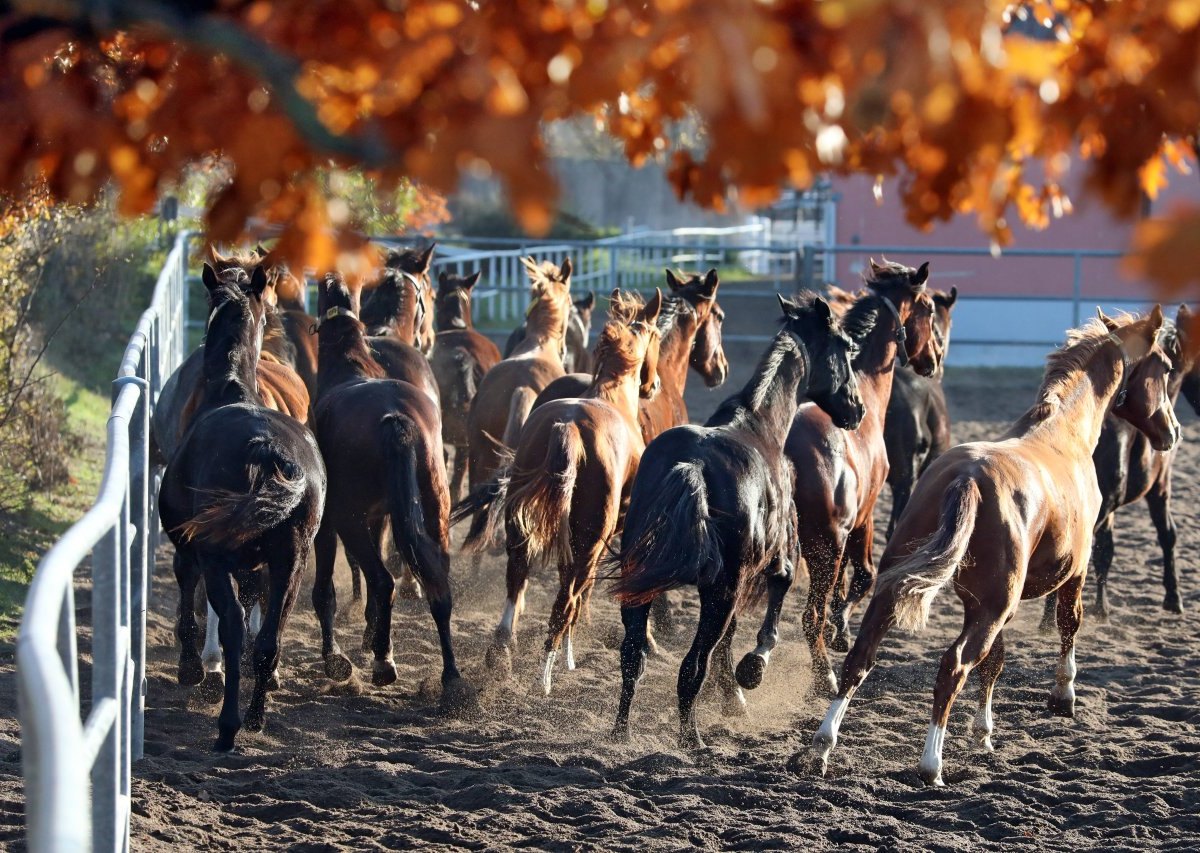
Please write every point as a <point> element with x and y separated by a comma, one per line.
<point>711,507</point>
<point>382,444</point>
<point>576,357</point>
<point>1009,520</point>
<point>506,394</point>
<point>461,358</point>
<point>245,486</point>
<point>560,499</point>
<point>1129,468</point>
<point>839,474</point>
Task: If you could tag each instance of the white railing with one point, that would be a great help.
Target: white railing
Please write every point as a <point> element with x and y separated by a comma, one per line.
<point>60,750</point>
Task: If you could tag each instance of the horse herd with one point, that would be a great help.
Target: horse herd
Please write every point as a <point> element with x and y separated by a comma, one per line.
<point>285,433</point>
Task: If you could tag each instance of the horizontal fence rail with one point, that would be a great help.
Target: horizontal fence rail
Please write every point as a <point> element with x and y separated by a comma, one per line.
<point>77,769</point>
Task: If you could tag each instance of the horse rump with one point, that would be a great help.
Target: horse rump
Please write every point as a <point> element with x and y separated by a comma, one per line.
<point>539,499</point>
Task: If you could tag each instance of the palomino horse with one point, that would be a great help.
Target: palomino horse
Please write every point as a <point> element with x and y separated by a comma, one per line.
<point>245,486</point>
<point>1009,520</point>
<point>711,507</point>
<point>560,500</point>
<point>1128,468</point>
<point>382,444</point>
<point>916,429</point>
<point>839,474</point>
<point>576,357</point>
<point>461,358</point>
<point>507,392</point>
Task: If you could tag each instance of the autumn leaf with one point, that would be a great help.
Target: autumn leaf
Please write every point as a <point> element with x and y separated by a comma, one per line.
<point>1164,249</point>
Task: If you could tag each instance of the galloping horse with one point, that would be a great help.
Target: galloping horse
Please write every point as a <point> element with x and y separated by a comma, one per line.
<point>1009,520</point>
<point>916,429</point>
<point>839,474</point>
<point>561,497</point>
<point>1128,468</point>
<point>507,392</point>
<point>382,444</point>
<point>245,486</point>
<point>711,507</point>
<point>461,358</point>
<point>576,357</point>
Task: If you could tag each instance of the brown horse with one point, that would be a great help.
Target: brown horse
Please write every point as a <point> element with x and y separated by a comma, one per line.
<point>382,444</point>
<point>560,499</point>
<point>507,392</point>
<point>461,358</point>
<point>1012,519</point>
<point>576,357</point>
<point>399,302</point>
<point>245,487</point>
<point>1128,469</point>
<point>839,474</point>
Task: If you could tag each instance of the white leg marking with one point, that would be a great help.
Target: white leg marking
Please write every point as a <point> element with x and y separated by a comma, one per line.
<point>831,680</point>
<point>256,620</point>
<point>570,650</point>
<point>211,656</point>
<point>547,678</point>
<point>826,737</point>
<point>508,620</point>
<point>930,767</point>
<point>1064,677</point>
<point>983,724</point>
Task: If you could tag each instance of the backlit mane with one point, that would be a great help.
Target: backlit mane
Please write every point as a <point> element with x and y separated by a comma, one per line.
<point>616,351</point>
<point>860,318</point>
<point>547,272</point>
<point>548,313</point>
<point>624,307</point>
<point>886,274</point>
<point>1066,363</point>
<point>387,299</point>
<point>672,307</point>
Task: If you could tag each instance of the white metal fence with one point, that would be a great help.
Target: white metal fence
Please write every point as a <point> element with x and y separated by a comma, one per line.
<point>66,810</point>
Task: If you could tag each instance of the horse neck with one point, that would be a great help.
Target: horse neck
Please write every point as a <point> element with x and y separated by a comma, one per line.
<point>620,391</point>
<point>768,402</point>
<point>343,356</point>
<point>230,369</point>
<point>1083,403</point>
<point>545,333</point>
<point>674,352</point>
<point>464,313</point>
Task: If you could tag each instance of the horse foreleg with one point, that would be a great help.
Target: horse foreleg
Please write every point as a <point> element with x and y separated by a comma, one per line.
<point>633,662</point>
<point>716,609</point>
<point>1159,501</point>
<point>856,560</point>
<point>187,575</point>
<point>324,599</point>
<point>823,562</point>
<point>733,703</point>
<point>751,668</point>
<point>218,581</point>
<point>286,566</point>
<point>1070,615</point>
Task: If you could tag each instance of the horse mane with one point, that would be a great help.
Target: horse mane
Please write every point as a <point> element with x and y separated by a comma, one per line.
<point>1065,363</point>
<point>672,307</point>
<point>548,314</point>
<point>616,354</point>
<point>886,274</point>
<point>351,343</point>
<point>399,258</point>
<point>862,315</point>
<point>840,300</point>
<point>387,298</point>
<point>547,272</point>
<point>624,307</point>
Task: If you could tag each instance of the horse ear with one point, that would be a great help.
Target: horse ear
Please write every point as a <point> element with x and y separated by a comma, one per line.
<point>209,277</point>
<point>392,258</point>
<point>259,250</point>
<point>921,276</point>
<point>823,311</point>
<point>789,307</point>
<point>1156,319</point>
<point>710,284</point>
<point>258,281</point>
<point>426,257</point>
<point>874,265</point>
<point>672,281</point>
<point>471,280</point>
<point>587,303</point>
<point>566,269</point>
<point>653,307</point>
<point>442,278</point>
<point>953,296</point>
<point>1108,322</point>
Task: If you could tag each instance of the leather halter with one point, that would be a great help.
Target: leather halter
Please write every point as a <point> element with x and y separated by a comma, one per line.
<point>1123,388</point>
<point>336,311</point>
<point>901,334</point>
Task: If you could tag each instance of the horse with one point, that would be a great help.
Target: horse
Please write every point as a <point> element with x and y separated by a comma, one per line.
<point>400,304</point>
<point>1012,519</point>
<point>916,429</point>
<point>505,395</point>
<point>576,357</point>
<point>560,499</point>
<point>1128,469</point>
<point>382,444</point>
<point>461,358</point>
<point>711,507</point>
<point>839,474</point>
<point>246,486</point>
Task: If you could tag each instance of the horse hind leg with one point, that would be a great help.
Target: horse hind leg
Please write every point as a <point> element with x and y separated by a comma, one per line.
<point>1159,502</point>
<point>359,540</point>
<point>324,599</point>
<point>751,667</point>
<point>218,580</point>
<point>733,701</point>
<point>716,609</point>
<point>516,578</point>
<point>823,560</point>
<point>459,473</point>
<point>1102,555</point>
<point>187,575</point>
<point>633,663</point>
<point>1070,615</point>
<point>856,560</point>
<point>989,673</point>
<point>286,565</point>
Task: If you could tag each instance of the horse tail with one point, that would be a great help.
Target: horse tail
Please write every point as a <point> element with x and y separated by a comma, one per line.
<point>518,412</point>
<point>401,450</point>
<point>485,507</point>
<point>539,500</point>
<point>916,580</point>
<point>677,544</point>
<point>275,487</point>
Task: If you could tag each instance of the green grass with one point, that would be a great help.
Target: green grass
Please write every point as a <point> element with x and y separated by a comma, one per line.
<point>25,535</point>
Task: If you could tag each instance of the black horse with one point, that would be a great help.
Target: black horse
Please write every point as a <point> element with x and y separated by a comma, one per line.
<point>712,507</point>
<point>577,358</point>
<point>1129,469</point>
<point>246,486</point>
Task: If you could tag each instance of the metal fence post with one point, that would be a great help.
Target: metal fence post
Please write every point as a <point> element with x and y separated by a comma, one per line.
<point>106,772</point>
<point>614,276</point>
<point>807,269</point>
<point>1077,291</point>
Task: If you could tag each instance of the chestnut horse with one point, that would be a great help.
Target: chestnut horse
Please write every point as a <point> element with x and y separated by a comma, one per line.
<point>560,499</point>
<point>1012,519</point>
<point>461,358</point>
<point>711,507</point>
<point>507,391</point>
<point>245,486</point>
<point>382,444</point>
<point>839,474</point>
<point>1128,468</point>
<point>576,357</point>
<point>916,429</point>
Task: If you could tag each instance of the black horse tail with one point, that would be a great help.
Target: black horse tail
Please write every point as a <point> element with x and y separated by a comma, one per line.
<point>275,487</point>
<point>677,544</point>
<point>916,580</point>
<point>401,450</point>
<point>485,507</point>
<point>540,499</point>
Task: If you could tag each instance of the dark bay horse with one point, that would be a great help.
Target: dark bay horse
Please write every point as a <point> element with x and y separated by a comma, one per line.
<point>461,358</point>
<point>711,507</point>
<point>576,356</point>
<point>382,444</point>
<point>1128,468</point>
<point>916,429</point>
<point>399,303</point>
<point>246,486</point>
<point>839,474</point>
<point>560,499</point>
<point>1012,519</point>
<point>505,395</point>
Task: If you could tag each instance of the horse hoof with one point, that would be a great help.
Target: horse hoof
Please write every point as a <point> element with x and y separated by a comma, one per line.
<point>224,742</point>
<point>409,592</point>
<point>191,672</point>
<point>750,671</point>
<point>499,661</point>
<point>932,778</point>
<point>254,722</point>
<point>383,673</point>
<point>1062,706</point>
<point>619,733</point>
<point>273,682</point>
<point>734,705</point>
<point>212,688</point>
<point>692,742</point>
<point>840,642</point>
<point>459,698</point>
<point>338,666</point>
<point>1173,603</point>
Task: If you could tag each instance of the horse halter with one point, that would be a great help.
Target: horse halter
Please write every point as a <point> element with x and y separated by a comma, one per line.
<point>1119,399</point>
<point>419,287</point>
<point>901,334</point>
<point>336,311</point>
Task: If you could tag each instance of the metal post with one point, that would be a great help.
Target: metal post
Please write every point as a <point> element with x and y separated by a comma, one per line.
<point>1077,291</point>
<point>141,554</point>
<point>106,772</point>
<point>614,279</point>
<point>807,273</point>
